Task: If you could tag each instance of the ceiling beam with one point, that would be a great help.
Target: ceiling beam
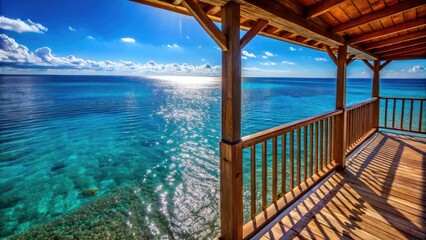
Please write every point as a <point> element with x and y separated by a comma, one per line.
<point>419,48</point>
<point>206,23</point>
<point>391,41</point>
<point>322,7</point>
<point>361,53</point>
<point>411,56</point>
<point>292,21</point>
<point>258,26</point>
<point>377,15</point>
<point>395,29</point>
<point>401,46</point>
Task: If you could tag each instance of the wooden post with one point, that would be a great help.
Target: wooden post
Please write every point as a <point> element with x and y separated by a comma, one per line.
<point>231,196</point>
<point>340,126</point>
<point>375,93</point>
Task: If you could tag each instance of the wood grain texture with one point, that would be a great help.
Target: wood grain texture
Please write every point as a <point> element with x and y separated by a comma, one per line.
<point>377,196</point>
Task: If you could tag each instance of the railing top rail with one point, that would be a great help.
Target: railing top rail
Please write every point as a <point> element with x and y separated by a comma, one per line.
<point>356,105</point>
<point>276,131</point>
<point>404,98</point>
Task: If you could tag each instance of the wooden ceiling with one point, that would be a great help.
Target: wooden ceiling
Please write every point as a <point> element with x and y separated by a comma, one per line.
<point>372,29</point>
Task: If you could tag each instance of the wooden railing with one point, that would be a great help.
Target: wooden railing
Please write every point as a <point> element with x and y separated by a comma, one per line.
<point>299,153</point>
<point>403,114</point>
<point>360,123</point>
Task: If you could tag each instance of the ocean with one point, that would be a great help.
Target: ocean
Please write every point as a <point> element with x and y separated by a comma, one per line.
<point>123,157</point>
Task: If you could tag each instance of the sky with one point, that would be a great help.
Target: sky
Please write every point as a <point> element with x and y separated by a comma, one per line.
<point>120,37</point>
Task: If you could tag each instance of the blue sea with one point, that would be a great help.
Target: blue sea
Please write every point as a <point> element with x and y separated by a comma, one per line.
<point>109,156</point>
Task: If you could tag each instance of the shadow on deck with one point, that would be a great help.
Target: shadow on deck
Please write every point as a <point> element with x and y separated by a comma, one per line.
<point>380,195</point>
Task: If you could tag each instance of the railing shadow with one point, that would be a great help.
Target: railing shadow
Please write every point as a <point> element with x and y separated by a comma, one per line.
<point>360,199</point>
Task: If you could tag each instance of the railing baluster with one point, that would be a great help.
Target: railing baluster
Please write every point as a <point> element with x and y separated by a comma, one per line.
<point>264,175</point>
<point>421,115</point>
<point>402,114</point>
<point>253,180</point>
<point>283,164</point>
<point>326,141</point>
<point>411,113</point>
<point>274,169</point>
<point>321,129</point>
<point>393,113</point>
<point>386,112</point>
<point>298,156</point>
<point>331,138</point>
<point>311,149</point>
<point>292,160</point>
<point>305,153</point>
<point>316,148</point>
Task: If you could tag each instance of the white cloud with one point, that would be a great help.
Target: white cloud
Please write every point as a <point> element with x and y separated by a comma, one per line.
<point>243,57</point>
<point>128,40</point>
<point>268,63</point>
<point>416,68</point>
<point>187,37</point>
<point>287,62</point>
<point>292,49</point>
<point>172,45</point>
<point>90,37</point>
<point>71,29</point>
<point>247,54</point>
<point>300,49</point>
<point>269,54</point>
<point>320,59</point>
<point>20,26</point>
<point>18,57</point>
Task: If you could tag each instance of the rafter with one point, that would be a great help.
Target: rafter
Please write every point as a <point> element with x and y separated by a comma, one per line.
<point>322,7</point>
<point>395,29</point>
<point>391,41</point>
<point>400,46</point>
<point>350,60</point>
<point>206,23</point>
<point>258,26</point>
<point>411,56</point>
<point>377,15</point>
<point>417,48</point>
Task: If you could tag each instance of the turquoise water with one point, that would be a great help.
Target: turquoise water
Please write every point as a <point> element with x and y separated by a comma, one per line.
<point>150,144</point>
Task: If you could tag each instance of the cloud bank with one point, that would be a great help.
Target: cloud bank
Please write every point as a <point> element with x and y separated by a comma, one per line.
<point>16,56</point>
<point>20,26</point>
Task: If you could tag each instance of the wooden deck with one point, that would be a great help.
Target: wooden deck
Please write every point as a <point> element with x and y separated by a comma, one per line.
<point>380,195</point>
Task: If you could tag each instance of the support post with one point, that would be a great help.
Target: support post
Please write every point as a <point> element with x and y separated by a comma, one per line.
<point>375,93</point>
<point>340,131</point>
<point>231,196</point>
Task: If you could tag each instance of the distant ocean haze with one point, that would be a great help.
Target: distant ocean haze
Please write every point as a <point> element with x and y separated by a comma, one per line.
<point>67,142</point>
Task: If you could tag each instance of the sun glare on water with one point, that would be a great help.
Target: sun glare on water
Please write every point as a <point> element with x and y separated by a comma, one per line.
<point>188,80</point>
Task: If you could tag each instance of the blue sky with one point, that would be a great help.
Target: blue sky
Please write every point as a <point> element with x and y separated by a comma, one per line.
<point>126,38</point>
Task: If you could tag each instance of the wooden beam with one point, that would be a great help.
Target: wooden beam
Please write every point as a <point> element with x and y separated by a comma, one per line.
<point>361,53</point>
<point>177,2</point>
<point>331,54</point>
<point>293,22</point>
<point>322,7</point>
<point>375,92</point>
<point>368,64</point>
<point>401,46</point>
<point>395,29</point>
<point>207,23</point>
<point>340,124</point>
<point>405,50</point>
<point>384,64</point>
<point>231,177</point>
<point>350,60</point>
<point>378,15</point>
<point>395,40</point>
<point>410,56</point>
<point>258,26</point>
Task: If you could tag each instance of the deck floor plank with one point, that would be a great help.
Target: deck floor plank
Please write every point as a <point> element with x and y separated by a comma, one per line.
<point>381,194</point>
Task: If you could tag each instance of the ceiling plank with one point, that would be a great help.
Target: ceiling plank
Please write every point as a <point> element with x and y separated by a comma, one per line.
<point>391,41</point>
<point>206,23</point>
<point>401,46</point>
<point>395,29</point>
<point>258,26</point>
<point>322,7</point>
<point>374,16</point>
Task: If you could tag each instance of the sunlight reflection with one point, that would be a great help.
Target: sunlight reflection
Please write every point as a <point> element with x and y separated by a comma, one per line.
<point>188,80</point>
